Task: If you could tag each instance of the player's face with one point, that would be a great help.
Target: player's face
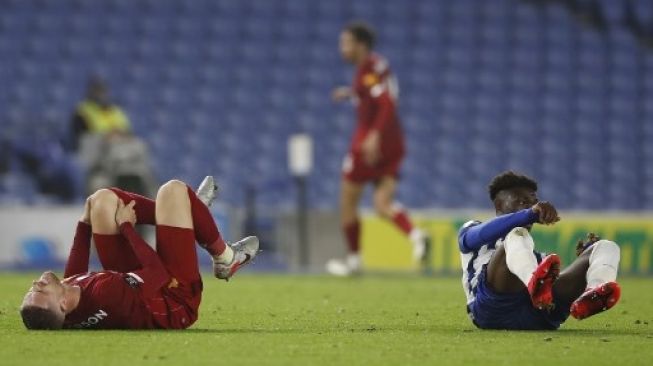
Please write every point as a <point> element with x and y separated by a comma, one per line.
<point>46,292</point>
<point>513,200</point>
<point>348,46</point>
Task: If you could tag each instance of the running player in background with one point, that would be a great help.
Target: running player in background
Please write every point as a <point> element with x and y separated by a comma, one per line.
<point>377,147</point>
<point>139,288</point>
<point>509,285</point>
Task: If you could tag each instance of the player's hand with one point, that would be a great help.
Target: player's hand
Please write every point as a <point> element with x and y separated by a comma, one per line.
<point>126,213</point>
<point>582,245</point>
<point>341,93</point>
<point>86,216</point>
<point>371,148</point>
<point>548,215</point>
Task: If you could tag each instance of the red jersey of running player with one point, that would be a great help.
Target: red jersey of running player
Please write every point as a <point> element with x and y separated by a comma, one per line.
<point>146,298</point>
<point>376,93</point>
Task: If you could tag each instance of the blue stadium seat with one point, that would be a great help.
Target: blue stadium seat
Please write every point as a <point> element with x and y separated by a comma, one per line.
<point>526,88</point>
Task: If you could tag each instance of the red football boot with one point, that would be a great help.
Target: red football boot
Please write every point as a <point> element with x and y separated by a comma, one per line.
<point>596,300</point>
<point>541,284</point>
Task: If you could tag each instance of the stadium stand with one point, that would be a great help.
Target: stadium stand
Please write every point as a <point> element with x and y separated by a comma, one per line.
<point>218,86</point>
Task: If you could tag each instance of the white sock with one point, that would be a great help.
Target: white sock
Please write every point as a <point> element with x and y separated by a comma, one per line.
<point>604,263</point>
<point>520,258</point>
<point>353,261</point>
<point>416,235</point>
<point>225,257</point>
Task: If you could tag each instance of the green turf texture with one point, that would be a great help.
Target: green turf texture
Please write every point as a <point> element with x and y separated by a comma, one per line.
<point>261,319</point>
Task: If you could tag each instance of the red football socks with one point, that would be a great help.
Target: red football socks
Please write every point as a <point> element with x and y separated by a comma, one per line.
<point>176,248</point>
<point>402,221</point>
<point>144,207</point>
<point>352,236</point>
<point>115,253</point>
<point>206,231</point>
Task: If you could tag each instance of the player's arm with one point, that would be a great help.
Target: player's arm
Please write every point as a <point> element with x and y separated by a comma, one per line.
<point>472,237</point>
<point>152,273</point>
<point>79,252</point>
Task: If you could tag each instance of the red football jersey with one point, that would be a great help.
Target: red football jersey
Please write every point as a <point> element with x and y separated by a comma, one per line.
<point>109,300</point>
<point>146,298</point>
<point>376,93</point>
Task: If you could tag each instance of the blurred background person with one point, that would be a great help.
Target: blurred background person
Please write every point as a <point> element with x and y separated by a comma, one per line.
<point>101,134</point>
<point>97,114</point>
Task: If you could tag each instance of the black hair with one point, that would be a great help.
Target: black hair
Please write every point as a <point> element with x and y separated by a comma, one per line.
<point>509,180</point>
<point>35,317</point>
<point>363,33</point>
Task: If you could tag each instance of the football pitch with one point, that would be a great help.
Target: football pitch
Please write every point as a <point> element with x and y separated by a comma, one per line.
<point>259,319</point>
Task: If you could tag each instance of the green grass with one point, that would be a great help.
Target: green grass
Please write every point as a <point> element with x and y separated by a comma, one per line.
<point>313,320</point>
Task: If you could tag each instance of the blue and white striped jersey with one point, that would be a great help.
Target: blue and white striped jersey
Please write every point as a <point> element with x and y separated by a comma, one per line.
<point>477,242</point>
<point>473,262</point>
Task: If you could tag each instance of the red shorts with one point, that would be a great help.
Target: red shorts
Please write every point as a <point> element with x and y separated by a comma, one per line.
<point>178,307</point>
<point>355,169</point>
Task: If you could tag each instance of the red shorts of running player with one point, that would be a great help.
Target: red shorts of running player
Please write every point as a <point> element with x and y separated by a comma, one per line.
<point>176,306</point>
<point>355,169</point>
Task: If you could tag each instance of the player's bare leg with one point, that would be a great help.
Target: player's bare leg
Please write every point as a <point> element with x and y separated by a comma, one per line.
<point>179,207</point>
<point>104,204</point>
<point>173,205</point>
<point>513,268</point>
<point>499,276</point>
<point>572,281</point>
<point>386,207</point>
<point>350,195</point>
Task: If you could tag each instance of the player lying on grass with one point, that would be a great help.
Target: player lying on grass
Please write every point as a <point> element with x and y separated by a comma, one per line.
<point>509,285</point>
<point>139,288</point>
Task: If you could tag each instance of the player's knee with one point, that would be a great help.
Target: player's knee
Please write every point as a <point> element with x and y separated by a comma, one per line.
<point>518,235</point>
<point>102,198</point>
<point>606,246</point>
<point>518,238</point>
<point>519,231</point>
<point>173,187</point>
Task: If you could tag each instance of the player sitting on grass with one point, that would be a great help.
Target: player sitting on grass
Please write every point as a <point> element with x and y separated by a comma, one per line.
<point>139,288</point>
<point>511,286</point>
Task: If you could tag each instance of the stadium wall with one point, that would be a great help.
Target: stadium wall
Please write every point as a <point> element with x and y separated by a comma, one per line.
<point>40,237</point>
<point>35,237</point>
<point>382,243</point>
